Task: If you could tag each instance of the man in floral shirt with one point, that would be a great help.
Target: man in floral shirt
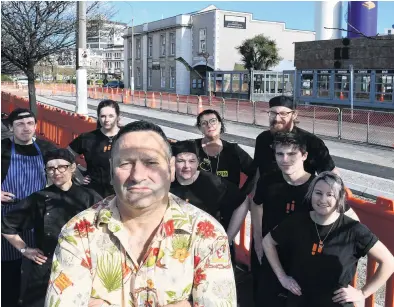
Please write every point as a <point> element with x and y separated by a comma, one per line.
<point>143,247</point>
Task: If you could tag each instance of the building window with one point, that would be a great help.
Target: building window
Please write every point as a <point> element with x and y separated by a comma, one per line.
<point>138,76</point>
<point>150,46</point>
<point>202,44</point>
<point>172,77</point>
<point>149,77</point>
<point>389,32</point>
<point>138,48</point>
<point>117,55</point>
<point>162,77</point>
<point>162,44</point>
<point>172,42</point>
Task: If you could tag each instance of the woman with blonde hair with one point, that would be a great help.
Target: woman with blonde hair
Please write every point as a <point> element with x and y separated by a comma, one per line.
<point>324,246</point>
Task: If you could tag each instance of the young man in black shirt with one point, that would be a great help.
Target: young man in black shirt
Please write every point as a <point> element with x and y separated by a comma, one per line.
<point>22,173</point>
<point>280,194</point>
<point>216,196</point>
<point>282,118</point>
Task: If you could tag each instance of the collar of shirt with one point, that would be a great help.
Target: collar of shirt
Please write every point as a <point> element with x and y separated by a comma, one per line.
<point>175,220</point>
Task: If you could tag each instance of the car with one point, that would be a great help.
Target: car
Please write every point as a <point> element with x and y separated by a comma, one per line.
<point>114,84</point>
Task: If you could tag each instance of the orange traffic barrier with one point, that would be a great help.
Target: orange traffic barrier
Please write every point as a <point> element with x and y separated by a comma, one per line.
<point>200,107</point>
<point>341,96</point>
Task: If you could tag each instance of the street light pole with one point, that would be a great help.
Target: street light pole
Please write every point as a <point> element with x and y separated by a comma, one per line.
<point>132,56</point>
<point>81,106</point>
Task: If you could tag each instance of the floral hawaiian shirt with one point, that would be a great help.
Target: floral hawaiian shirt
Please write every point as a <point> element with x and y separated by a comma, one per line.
<point>189,259</point>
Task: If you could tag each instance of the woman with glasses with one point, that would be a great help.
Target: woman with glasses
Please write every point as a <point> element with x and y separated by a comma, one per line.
<point>46,211</point>
<point>323,247</point>
<point>217,156</point>
<point>96,148</point>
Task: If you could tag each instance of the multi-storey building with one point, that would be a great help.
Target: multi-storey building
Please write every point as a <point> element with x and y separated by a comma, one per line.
<point>206,40</point>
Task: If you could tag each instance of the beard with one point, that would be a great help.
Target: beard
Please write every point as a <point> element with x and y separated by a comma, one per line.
<point>285,127</point>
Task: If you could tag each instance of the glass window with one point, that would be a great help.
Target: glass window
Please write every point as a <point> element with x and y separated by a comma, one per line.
<point>138,76</point>
<point>219,82</point>
<point>199,83</point>
<point>172,42</point>
<point>323,83</point>
<point>138,48</point>
<point>235,84</point>
<point>162,77</point>
<point>202,40</point>
<point>172,77</point>
<point>163,44</point>
<point>341,84</point>
<point>194,83</point>
<point>362,85</point>
<point>306,83</point>
<point>150,46</point>
<point>149,77</point>
<point>384,85</point>
<point>226,83</point>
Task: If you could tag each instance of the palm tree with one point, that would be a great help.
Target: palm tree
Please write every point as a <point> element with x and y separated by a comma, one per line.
<point>259,53</point>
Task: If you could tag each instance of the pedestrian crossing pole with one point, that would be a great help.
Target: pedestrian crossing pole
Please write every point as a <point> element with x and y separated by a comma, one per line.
<point>81,106</point>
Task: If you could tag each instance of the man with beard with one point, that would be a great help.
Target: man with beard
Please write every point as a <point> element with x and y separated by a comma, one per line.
<point>282,118</point>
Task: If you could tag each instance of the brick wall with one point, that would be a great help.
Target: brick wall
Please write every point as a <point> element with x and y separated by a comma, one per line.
<point>364,53</point>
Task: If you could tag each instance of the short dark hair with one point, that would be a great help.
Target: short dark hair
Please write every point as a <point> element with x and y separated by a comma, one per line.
<point>207,112</point>
<point>289,138</point>
<point>15,115</point>
<point>142,125</point>
<point>107,103</point>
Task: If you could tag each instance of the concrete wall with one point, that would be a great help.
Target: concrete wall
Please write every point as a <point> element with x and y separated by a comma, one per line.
<point>229,38</point>
<point>363,54</point>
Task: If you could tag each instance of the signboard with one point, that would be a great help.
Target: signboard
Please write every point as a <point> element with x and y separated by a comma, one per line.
<point>385,71</point>
<point>362,71</point>
<point>324,71</point>
<point>83,57</point>
<point>340,72</point>
<point>307,71</point>
<point>235,22</point>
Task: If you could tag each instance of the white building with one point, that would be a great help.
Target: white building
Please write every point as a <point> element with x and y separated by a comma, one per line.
<point>105,40</point>
<point>216,32</point>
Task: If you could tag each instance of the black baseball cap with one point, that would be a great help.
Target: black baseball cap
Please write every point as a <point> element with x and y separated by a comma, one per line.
<point>20,113</point>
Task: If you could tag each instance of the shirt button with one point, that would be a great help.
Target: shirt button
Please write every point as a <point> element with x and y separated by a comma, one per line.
<point>47,213</point>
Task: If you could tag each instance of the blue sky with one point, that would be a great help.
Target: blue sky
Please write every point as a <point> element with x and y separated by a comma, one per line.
<point>296,15</point>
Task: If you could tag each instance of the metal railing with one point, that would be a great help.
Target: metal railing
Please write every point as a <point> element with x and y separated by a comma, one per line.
<point>363,126</point>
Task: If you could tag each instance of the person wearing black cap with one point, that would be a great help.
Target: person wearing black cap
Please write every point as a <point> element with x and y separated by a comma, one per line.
<point>216,196</point>
<point>22,173</point>
<point>46,211</point>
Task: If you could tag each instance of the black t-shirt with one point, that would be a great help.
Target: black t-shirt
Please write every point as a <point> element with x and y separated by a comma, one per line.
<point>96,148</point>
<point>229,164</point>
<point>321,274</point>
<point>47,211</point>
<point>318,159</point>
<point>280,199</point>
<point>211,194</point>
<point>26,150</point>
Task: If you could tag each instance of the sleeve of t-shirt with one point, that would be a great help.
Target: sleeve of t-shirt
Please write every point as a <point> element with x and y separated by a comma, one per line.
<point>257,152</point>
<point>76,144</point>
<point>283,233</point>
<point>320,153</point>
<point>248,168</point>
<point>261,191</point>
<point>20,218</point>
<point>365,240</point>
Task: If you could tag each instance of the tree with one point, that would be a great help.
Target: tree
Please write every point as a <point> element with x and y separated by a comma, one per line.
<point>33,30</point>
<point>259,53</point>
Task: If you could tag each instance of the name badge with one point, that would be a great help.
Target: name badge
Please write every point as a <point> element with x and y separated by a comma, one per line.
<point>222,173</point>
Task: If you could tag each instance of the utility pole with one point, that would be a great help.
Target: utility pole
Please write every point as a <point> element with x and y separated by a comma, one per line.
<point>81,85</point>
<point>132,56</point>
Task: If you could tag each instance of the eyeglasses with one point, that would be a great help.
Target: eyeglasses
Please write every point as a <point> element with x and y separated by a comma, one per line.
<point>282,114</point>
<point>61,168</point>
<point>212,122</point>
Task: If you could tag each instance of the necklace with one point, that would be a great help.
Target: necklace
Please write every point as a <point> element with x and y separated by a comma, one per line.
<point>206,164</point>
<point>319,247</point>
